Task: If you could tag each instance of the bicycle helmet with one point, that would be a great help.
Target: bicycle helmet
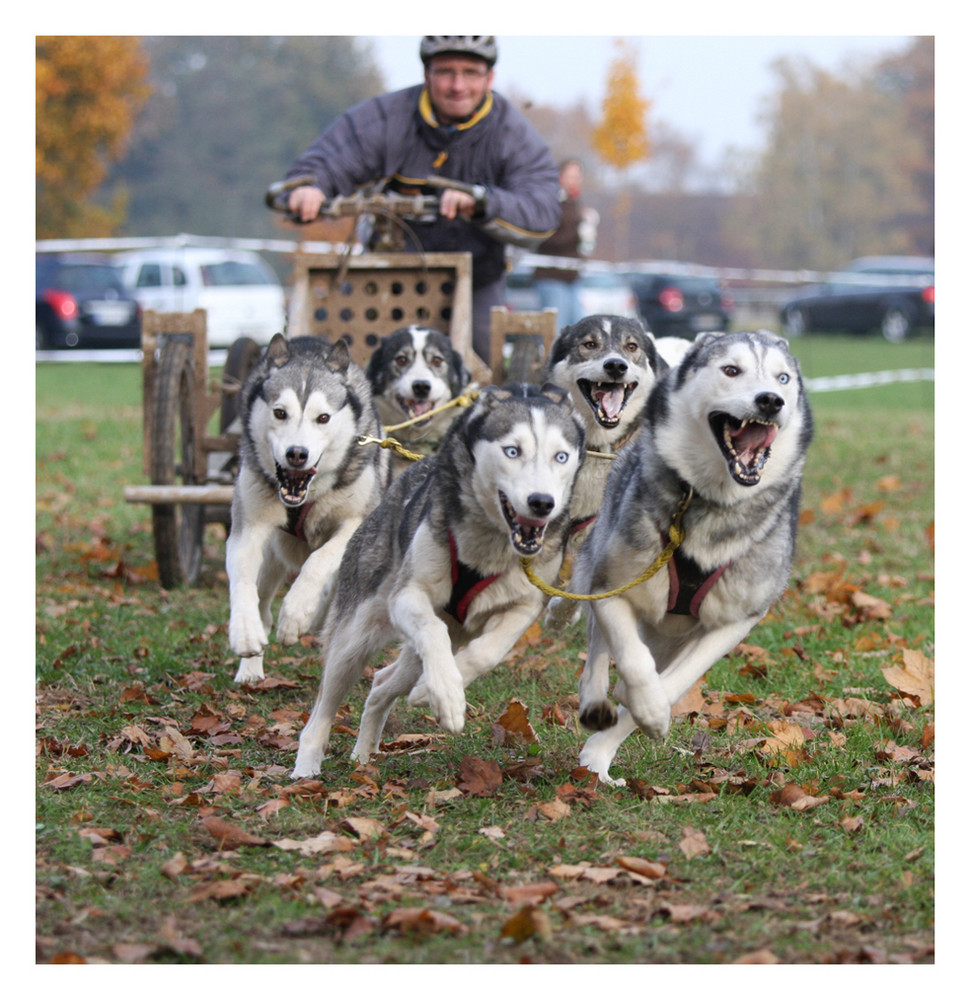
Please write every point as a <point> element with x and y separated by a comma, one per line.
<point>480,46</point>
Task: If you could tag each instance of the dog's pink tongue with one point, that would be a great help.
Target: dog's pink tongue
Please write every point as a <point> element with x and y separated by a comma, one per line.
<point>419,406</point>
<point>611,401</point>
<point>752,438</point>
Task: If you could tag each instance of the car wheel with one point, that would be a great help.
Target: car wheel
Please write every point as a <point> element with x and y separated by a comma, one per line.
<point>895,325</point>
<point>794,322</point>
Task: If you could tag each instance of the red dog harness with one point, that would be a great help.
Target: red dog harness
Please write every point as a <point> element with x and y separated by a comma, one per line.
<point>467,584</point>
<point>689,584</point>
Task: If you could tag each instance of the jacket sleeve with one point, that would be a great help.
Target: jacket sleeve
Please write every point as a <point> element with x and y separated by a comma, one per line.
<point>353,150</point>
<point>524,207</point>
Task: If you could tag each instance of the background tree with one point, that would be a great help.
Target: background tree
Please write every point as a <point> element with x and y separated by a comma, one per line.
<point>88,91</point>
<point>833,181</point>
<point>228,115</point>
<point>620,138</point>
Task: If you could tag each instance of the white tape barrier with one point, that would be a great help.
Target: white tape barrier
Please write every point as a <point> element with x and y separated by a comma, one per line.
<point>866,380</point>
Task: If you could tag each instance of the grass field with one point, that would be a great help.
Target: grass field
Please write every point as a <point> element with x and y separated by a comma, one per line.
<point>789,816</point>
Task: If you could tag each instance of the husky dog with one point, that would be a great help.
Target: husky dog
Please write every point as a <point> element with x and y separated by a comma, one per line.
<point>725,432</point>
<point>412,372</point>
<point>609,365</point>
<point>303,487</point>
<point>672,349</point>
<point>437,565</point>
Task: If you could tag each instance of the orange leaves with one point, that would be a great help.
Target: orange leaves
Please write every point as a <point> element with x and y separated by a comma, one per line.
<point>914,678</point>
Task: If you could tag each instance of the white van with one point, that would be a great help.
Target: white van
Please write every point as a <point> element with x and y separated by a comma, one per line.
<point>237,288</point>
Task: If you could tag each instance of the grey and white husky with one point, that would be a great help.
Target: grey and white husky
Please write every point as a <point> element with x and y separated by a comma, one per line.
<point>304,485</point>
<point>725,432</point>
<point>412,372</point>
<point>608,364</point>
<point>437,565</point>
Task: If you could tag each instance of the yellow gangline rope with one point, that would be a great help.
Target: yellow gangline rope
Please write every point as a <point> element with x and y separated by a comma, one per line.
<point>675,536</point>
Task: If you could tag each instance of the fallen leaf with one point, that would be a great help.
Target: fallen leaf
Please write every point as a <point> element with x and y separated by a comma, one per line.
<point>529,922</point>
<point>650,870</point>
<point>554,810</point>
<point>479,777</point>
<point>229,835</point>
<point>794,796</point>
<point>693,843</point>
<point>321,844</point>
<point>365,827</point>
<point>915,678</point>
<point>422,921</point>
<point>514,722</point>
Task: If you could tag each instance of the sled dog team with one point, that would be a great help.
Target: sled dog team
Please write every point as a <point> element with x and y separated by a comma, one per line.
<point>668,477</point>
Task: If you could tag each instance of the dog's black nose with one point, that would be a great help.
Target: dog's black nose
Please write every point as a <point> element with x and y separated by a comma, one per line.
<point>541,503</point>
<point>297,457</point>
<point>615,367</point>
<point>420,389</point>
<point>769,403</point>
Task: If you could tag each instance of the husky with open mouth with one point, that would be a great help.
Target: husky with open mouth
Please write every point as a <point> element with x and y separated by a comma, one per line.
<point>413,371</point>
<point>437,566</point>
<point>608,364</point>
<point>304,485</point>
<point>724,441</point>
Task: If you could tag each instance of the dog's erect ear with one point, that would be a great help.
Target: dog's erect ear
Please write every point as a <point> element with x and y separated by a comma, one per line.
<point>278,351</point>
<point>556,393</point>
<point>339,357</point>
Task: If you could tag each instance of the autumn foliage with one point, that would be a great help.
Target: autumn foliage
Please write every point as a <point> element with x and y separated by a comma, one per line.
<point>89,89</point>
<point>620,139</point>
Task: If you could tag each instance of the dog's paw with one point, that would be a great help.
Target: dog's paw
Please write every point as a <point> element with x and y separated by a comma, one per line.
<point>598,716</point>
<point>418,695</point>
<point>308,763</point>
<point>250,670</point>
<point>596,758</point>
<point>448,705</point>
<point>561,613</point>
<point>294,621</point>
<point>247,636</point>
<point>652,717</point>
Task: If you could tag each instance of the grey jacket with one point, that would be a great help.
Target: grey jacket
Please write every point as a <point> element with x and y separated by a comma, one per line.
<point>395,138</point>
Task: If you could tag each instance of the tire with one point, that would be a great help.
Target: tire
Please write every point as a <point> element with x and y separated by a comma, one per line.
<point>795,323</point>
<point>241,358</point>
<point>177,528</point>
<point>896,325</point>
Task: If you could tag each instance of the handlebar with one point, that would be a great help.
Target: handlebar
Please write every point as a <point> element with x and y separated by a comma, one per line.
<point>414,206</point>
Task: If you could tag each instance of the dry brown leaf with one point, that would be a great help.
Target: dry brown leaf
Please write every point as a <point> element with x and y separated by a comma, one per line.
<point>324,842</point>
<point>693,843</point>
<point>515,723</point>
<point>794,796</point>
<point>479,777</point>
<point>692,702</point>
<point>529,922</point>
<point>230,836</point>
<point>422,921</point>
<point>915,678</point>
<point>555,809</point>
<point>529,895</point>
<point>650,870</point>
<point>366,827</point>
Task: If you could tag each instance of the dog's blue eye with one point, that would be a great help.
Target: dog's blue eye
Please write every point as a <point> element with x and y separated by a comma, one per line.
<point>562,457</point>
<point>511,451</point>
<point>784,378</point>
<point>280,413</point>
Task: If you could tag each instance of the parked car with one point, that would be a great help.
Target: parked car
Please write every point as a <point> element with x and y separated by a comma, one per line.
<point>237,288</point>
<point>82,302</point>
<point>680,305</point>
<point>894,295</point>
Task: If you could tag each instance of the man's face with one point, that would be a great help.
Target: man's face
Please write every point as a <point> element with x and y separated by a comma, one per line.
<point>457,86</point>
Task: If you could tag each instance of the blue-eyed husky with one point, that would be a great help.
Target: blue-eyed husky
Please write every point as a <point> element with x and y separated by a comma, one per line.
<point>437,565</point>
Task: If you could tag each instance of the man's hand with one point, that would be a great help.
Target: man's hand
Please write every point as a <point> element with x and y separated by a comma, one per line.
<point>453,203</point>
<point>304,203</point>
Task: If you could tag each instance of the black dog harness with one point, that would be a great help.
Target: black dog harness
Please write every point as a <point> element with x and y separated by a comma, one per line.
<point>689,584</point>
<point>467,584</point>
<point>295,520</point>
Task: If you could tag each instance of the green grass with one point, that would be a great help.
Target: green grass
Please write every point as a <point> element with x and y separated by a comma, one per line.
<point>143,739</point>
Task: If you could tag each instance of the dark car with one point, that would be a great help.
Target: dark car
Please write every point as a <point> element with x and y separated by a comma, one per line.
<point>82,302</point>
<point>680,305</point>
<point>894,295</point>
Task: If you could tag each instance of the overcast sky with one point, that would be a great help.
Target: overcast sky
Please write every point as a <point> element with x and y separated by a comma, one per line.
<point>710,88</point>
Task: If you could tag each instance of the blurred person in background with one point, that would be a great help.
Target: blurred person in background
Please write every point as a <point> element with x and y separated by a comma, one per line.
<point>559,284</point>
